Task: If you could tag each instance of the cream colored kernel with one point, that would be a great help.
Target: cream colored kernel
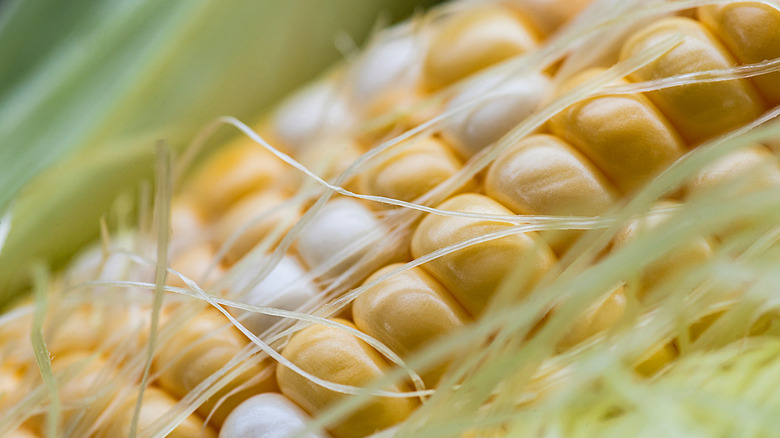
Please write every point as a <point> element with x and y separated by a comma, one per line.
<point>502,102</point>
<point>268,415</point>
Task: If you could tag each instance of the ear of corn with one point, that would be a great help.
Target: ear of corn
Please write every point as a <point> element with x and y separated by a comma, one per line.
<point>84,102</point>
<point>496,237</point>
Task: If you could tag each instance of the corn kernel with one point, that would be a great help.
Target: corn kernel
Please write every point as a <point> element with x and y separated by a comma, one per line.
<point>234,171</point>
<point>598,318</point>
<point>285,287</point>
<point>503,103</point>
<point>544,175</point>
<point>154,404</point>
<point>698,111</point>
<point>339,224</point>
<point>474,274</point>
<point>469,42</point>
<point>255,215</point>
<point>268,415</point>
<point>337,356</point>
<point>625,135</point>
<point>199,349</point>
<point>750,31</point>
<point>410,171</point>
<point>408,311</point>
<point>683,255</point>
<point>318,111</point>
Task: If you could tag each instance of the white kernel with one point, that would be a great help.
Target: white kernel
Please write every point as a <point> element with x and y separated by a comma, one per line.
<point>341,224</point>
<point>285,287</point>
<point>389,65</point>
<point>267,415</point>
<point>317,111</point>
<point>504,102</point>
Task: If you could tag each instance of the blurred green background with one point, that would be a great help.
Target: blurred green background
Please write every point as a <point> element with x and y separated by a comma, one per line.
<point>87,87</point>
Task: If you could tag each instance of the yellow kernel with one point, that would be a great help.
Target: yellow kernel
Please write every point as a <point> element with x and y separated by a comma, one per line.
<point>337,356</point>
<point>234,171</point>
<point>598,318</point>
<point>751,31</point>
<point>255,215</point>
<point>474,274</point>
<point>469,42</point>
<point>199,349</point>
<point>155,404</point>
<point>22,432</point>
<point>409,170</point>
<point>754,166</point>
<point>625,135</point>
<point>193,263</point>
<point>408,311</point>
<point>544,175</point>
<point>656,359</point>
<point>549,15</point>
<point>683,255</point>
<point>698,111</point>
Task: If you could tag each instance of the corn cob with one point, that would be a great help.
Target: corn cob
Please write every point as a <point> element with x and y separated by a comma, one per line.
<point>239,228</point>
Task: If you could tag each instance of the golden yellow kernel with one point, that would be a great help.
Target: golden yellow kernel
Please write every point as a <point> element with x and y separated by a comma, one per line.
<point>410,170</point>
<point>598,318</point>
<point>199,349</point>
<point>155,404</point>
<point>656,359</point>
<point>698,111</point>
<point>84,381</point>
<point>22,432</point>
<point>474,274</point>
<point>625,135</point>
<point>684,255</point>
<point>240,168</point>
<point>337,356</point>
<point>471,41</point>
<point>549,15</point>
<point>193,263</point>
<point>753,165</point>
<point>408,311</point>
<point>257,214</point>
<point>751,31</point>
<point>10,385</point>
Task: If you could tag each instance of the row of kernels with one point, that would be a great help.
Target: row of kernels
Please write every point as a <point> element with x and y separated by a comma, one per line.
<point>602,185</point>
<point>593,181</point>
<point>88,385</point>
